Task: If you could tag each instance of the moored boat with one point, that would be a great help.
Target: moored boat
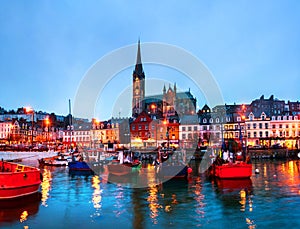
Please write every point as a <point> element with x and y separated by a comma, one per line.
<point>79,166</point>
<point>53,161</point>
<point>173,171</point>
<point>123,169</point>
<point>235,170</point>
<point>18,180</point>
<point>124,165</point>
<point>171,164</point>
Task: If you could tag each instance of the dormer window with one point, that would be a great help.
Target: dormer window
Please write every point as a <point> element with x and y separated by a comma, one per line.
<point>251,116</point>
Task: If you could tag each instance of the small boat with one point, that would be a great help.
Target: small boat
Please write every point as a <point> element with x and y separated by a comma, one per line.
<point>235,170</point>
<point>53,161</point>
<point>121,166</point>
<point>171,165</point>
<point>118,169</point>
<point>173,171</point>
<point>18,180</point>
<point>59,160</point>
<point>79,166</point>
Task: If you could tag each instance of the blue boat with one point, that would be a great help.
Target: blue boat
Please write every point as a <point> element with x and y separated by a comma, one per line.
<point>79,166</point>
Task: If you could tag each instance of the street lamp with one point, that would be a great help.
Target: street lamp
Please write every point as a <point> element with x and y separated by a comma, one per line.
<point>47,122</point>
<point>29,110</point>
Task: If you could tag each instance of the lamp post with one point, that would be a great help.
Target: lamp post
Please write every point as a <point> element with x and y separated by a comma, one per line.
<point>30,110</point>
<point>47,122</point>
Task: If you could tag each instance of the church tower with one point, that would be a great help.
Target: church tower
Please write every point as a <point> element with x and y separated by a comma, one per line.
<point>138,85</point>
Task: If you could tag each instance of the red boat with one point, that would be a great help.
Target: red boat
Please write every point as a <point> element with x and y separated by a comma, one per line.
<point>18,180</point>
<point>235,170</point>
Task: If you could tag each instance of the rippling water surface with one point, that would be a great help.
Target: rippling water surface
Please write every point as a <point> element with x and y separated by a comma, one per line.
<point>270,199</point>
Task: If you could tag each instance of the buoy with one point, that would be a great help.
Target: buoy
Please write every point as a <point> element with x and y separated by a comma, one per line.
<point>189,170</point>
<point>256,171</point>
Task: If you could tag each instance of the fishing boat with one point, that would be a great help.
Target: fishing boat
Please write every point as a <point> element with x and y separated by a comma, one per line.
<point>231,170</point>
<point>79,166</point>
<point>173,171</point>
<point>18,180</point>
<point>124,166</point>
<point>118,169</point>
<point>54,161</point>
<point>171,165</point>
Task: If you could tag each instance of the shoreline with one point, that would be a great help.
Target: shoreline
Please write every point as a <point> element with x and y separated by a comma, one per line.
<point>13,155</point>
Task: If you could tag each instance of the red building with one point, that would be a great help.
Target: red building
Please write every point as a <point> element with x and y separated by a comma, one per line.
<point>142,131</point>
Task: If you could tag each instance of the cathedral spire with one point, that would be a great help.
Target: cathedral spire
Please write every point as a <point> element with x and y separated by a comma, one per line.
<point>138,65</point>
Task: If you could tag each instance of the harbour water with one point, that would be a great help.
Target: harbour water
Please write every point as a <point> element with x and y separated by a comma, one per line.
<point>269,199</point>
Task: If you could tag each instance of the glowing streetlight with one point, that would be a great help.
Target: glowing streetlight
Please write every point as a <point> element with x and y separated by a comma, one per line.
<point>47,122</point>
<point>29,110</point>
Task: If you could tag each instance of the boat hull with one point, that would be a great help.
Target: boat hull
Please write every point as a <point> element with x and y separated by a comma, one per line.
<point>18,180</point>
<point>173,171</point>
<point>53,162</point>
<point>233,171</point>
<point>122,169</point>
<point>79,166</point>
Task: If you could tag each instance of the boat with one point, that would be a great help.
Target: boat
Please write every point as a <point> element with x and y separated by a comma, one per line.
<point>230,170</point>
<point>53,161</point>
<point>171,165</point>
<point>79,166</point>
<point>121,166</point>
<point>118,169</point>
<point>17,180</point>
<point>173,171</point>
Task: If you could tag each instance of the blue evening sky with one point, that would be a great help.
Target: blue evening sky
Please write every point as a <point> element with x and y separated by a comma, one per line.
<point>250,47</point>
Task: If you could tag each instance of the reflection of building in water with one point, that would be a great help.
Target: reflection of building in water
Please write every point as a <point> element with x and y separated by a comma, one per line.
<point>46,186</point>
<point>199,197</point>
<point>152,199</point>
<point>96,198</point>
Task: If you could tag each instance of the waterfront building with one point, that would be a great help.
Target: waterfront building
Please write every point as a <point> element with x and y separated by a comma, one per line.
<point>269,106</point>
<point>105,134</point>
<point>258,129</point>
<point>285,130</point>
<point>189,132</point>
<point>141,132</point>
<point>5,130</point>
<point>223,123</point>
<point>293,108</point>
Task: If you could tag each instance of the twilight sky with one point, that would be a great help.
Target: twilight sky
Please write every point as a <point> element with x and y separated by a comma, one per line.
<point>47,47</point>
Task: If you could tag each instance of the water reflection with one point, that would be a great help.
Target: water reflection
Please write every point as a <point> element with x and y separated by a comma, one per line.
<point>96,197</point>
<point>46,186</point>
<point>19,209</point>
<point>153,204</point>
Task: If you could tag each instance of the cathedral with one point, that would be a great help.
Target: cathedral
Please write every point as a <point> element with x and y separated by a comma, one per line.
<point>169,105</point>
